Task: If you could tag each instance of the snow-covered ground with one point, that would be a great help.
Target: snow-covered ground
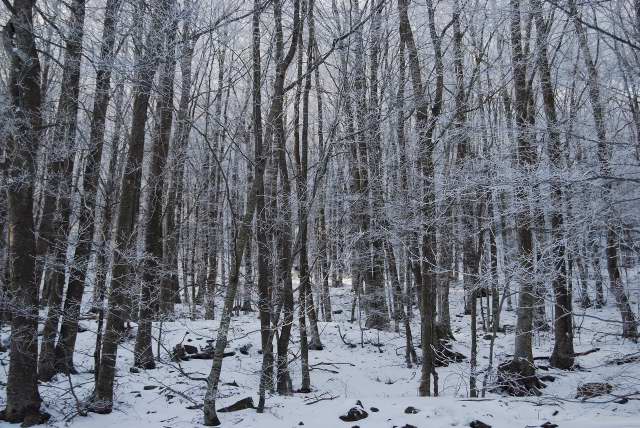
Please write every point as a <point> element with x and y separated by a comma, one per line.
<point>341,375</point>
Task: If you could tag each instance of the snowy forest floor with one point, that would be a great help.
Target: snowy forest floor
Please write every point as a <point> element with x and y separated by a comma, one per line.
<point>342,375</point>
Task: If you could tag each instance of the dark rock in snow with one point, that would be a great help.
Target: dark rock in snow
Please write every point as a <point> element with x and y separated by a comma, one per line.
<point>244,349</point>
<point>374,409</point>
<point>548,378</point>
<point>409,426</point>
<point>134,370</point>
<point>622,400</point>
<point>549,425</point>
<point>300,423</point>
<point>479,424</point>
<point>188,352</point>
<point>355,413</point>
<point>593,389</point>
<point>337,312</point>
<point>411,410</point>
<point>245,403</point>
<point>190,349</point>
<point>149,387</point>
<point>231,384</point>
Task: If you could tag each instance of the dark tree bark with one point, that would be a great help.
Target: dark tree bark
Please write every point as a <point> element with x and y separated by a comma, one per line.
<point>284,233</point>
<point>371,158</point>
<point>56,215</point>
<point>562,356</point>
<point>522,367</point>
<point>424,271</point>
<point>260,158</point>
<point>78,269</point>
<point>169,286</point>
<point>23,399</point>
<point>102,400</point>
<point>153,242</point>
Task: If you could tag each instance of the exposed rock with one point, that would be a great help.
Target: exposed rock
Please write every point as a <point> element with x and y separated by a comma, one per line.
<point>479,424</point>
<point>149,387</point>
<point>187,352</point>
<point>411,410</point>
<point>549,425</point>
<point>355,413</point>
<point>190,349</point>
<point>374,409</point>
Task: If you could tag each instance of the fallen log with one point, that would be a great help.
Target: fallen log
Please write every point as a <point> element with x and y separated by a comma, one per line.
<point>245,403</point>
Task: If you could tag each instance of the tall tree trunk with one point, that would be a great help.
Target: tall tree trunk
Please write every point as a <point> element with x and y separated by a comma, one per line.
<point>153,242</point>
<point>61,172</point>
<point>562,356</point>
<point>424,271</point>
<point>79,267</point>
<point>256,195</point>
<point>102,400</point>
<point>260,157</point>
<point>23,399</point>
<point>629,321</point>
<point>371,158</point>
<point>324,246</point>
<point>522,367</point>
<point>284,232</point>
<point>169,293</point>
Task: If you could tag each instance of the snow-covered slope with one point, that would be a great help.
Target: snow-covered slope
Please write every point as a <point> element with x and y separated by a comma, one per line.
<point>341,375</point>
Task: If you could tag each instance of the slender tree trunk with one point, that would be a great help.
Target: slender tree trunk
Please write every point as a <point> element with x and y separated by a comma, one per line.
<point>169,288</point>
<point>522,367</point>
